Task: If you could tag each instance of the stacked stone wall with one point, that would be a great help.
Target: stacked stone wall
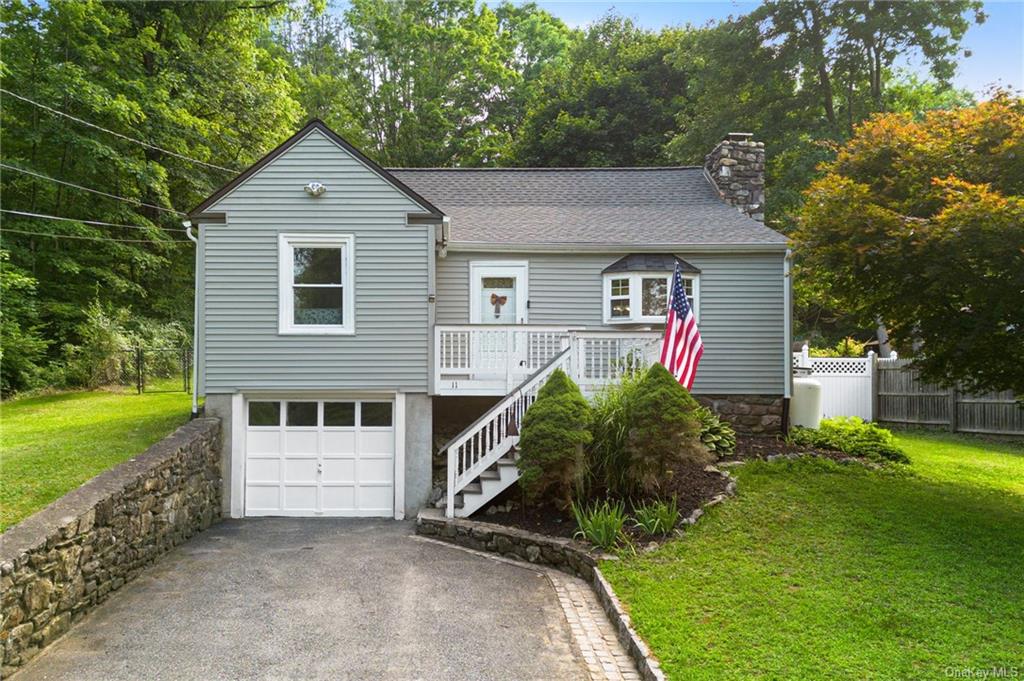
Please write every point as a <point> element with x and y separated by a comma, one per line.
<point>59,563</point>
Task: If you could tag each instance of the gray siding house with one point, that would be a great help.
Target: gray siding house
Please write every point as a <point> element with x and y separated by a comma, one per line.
<point>351,318</point>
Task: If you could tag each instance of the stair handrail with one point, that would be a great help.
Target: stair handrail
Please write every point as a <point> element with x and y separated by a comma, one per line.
<point>456,483</point>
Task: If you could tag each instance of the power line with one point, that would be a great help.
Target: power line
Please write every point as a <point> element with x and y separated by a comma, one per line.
<point>91,238</point>
<point>87,189</point>
<point>98,223</point>
<point>117,134</point>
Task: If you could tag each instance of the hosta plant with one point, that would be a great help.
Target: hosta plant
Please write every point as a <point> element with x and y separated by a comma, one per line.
<point>717,435</point>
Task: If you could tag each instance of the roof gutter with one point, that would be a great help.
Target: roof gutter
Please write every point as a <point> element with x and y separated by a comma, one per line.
<point>488,246</point>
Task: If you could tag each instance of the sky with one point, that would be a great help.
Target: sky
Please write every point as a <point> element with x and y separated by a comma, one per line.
<point>996,47</point>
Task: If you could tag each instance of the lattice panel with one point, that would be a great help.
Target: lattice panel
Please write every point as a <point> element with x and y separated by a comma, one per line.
<point>836,366</point>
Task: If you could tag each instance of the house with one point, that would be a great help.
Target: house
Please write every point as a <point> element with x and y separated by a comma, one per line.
<point>351,318</point>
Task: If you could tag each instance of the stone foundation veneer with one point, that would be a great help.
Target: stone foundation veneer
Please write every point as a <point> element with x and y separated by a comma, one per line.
<point>59,563</point>
<point>748,414</point>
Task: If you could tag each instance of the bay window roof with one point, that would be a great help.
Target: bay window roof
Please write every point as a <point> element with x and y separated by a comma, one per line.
<point>650,262</point>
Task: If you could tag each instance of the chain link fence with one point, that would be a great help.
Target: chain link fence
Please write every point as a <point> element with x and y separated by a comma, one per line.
<point>153,369</point>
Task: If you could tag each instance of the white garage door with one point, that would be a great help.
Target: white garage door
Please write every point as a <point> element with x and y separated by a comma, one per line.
<point>319,458</point>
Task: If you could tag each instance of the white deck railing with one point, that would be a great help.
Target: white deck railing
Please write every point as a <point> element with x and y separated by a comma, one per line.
<point>492,360</point>
<point>493,435</point>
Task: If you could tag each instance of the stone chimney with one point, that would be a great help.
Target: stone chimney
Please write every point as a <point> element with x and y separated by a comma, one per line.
<point>736,167</point>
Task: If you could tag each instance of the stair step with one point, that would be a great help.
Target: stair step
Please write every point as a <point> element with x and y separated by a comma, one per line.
<point>444,501</point>
<point>473,488</point>
<point>490,475</point>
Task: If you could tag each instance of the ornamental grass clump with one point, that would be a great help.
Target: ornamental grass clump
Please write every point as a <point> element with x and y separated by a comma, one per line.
<point>600,524</point>
<point>608,455</point>
<point>554,432</point>
<point>664,431</point>
<point>656,518</point>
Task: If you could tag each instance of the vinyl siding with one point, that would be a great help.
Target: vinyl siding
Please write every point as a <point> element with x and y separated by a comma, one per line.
<point>242,347</point>
<point>741,308</point>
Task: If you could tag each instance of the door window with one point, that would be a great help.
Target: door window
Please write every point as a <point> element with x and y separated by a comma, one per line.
<point>498,300</point>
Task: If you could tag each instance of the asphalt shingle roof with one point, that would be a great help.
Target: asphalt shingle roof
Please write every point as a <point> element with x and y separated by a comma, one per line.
<point>621,206</point>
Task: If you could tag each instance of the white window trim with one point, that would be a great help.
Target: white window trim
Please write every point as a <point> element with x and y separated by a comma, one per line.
<point>636,297</point>
<point>285,280</point>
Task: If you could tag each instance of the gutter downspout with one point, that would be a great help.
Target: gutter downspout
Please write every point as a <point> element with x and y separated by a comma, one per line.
<point>187,224</point>
<point>787,287</point>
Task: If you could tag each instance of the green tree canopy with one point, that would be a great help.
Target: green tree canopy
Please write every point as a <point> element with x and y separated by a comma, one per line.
<point>921,223</point>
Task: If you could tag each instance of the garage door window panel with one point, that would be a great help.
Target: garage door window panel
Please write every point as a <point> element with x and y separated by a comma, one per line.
<point>339,414</point>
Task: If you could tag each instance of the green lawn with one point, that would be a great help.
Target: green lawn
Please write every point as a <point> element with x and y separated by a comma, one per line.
<point>817,570</point>
<point>49,445</point>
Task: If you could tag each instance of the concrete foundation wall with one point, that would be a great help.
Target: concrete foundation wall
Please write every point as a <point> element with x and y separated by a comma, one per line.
<point>419,451</point>
<point>219,406</point>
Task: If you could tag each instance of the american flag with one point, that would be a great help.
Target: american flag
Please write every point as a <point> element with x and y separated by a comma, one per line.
<point>682,347</point>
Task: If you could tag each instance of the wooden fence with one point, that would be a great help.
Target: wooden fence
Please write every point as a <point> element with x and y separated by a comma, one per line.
<point>902,397</point>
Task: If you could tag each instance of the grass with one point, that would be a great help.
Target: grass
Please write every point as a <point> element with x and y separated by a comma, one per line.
<point>51,444</point>
<point>820,570</point>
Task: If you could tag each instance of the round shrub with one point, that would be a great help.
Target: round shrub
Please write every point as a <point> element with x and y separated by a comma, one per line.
<point>664,430</point>
<point>555,429</point>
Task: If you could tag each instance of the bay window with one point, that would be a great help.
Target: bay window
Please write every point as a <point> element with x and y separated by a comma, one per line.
<point>642,297</point>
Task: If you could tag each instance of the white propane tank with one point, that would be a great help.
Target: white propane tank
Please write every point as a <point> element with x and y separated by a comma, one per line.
<point>805,408</point>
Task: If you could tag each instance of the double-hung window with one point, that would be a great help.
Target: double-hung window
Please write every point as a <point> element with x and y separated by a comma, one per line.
<point>316,284</point>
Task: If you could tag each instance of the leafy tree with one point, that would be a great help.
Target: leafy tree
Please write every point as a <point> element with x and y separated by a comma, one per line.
<point>555,429</point>
<point>919,223</point>
<point>191,78</point>
<point>423,76</point>
<point>845,49</point>
<point>664,430</point>
<point>21,345</point>
<point>612,102</point>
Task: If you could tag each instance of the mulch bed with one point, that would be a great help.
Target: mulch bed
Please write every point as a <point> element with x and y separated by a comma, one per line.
<point>690,484</point>
<point>748,448</point>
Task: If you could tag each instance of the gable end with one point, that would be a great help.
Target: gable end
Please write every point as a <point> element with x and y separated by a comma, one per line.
<point>316,124</point>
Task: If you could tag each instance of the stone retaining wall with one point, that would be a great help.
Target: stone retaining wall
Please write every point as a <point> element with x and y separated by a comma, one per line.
<point>748,414</point>
<point>557,552</point>
<point>59,563</point>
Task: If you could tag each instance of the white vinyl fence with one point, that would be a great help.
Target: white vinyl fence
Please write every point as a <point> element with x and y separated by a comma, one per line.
<point>846,383</point>
<point>889,390</point>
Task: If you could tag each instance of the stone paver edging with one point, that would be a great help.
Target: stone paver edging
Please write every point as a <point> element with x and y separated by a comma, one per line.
<point>562,554</point>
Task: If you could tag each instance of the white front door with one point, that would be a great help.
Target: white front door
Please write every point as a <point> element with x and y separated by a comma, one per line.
<point>498,292</point>
<point>319,457</point>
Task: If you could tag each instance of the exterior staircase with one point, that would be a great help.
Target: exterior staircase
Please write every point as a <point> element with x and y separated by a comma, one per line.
<point>482,458</point>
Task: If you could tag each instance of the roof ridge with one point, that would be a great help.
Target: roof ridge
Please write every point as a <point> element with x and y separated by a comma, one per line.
<point>552,168</point>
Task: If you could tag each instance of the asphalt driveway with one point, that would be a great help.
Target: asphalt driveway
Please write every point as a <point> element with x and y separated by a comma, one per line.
<point>320,599</point>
